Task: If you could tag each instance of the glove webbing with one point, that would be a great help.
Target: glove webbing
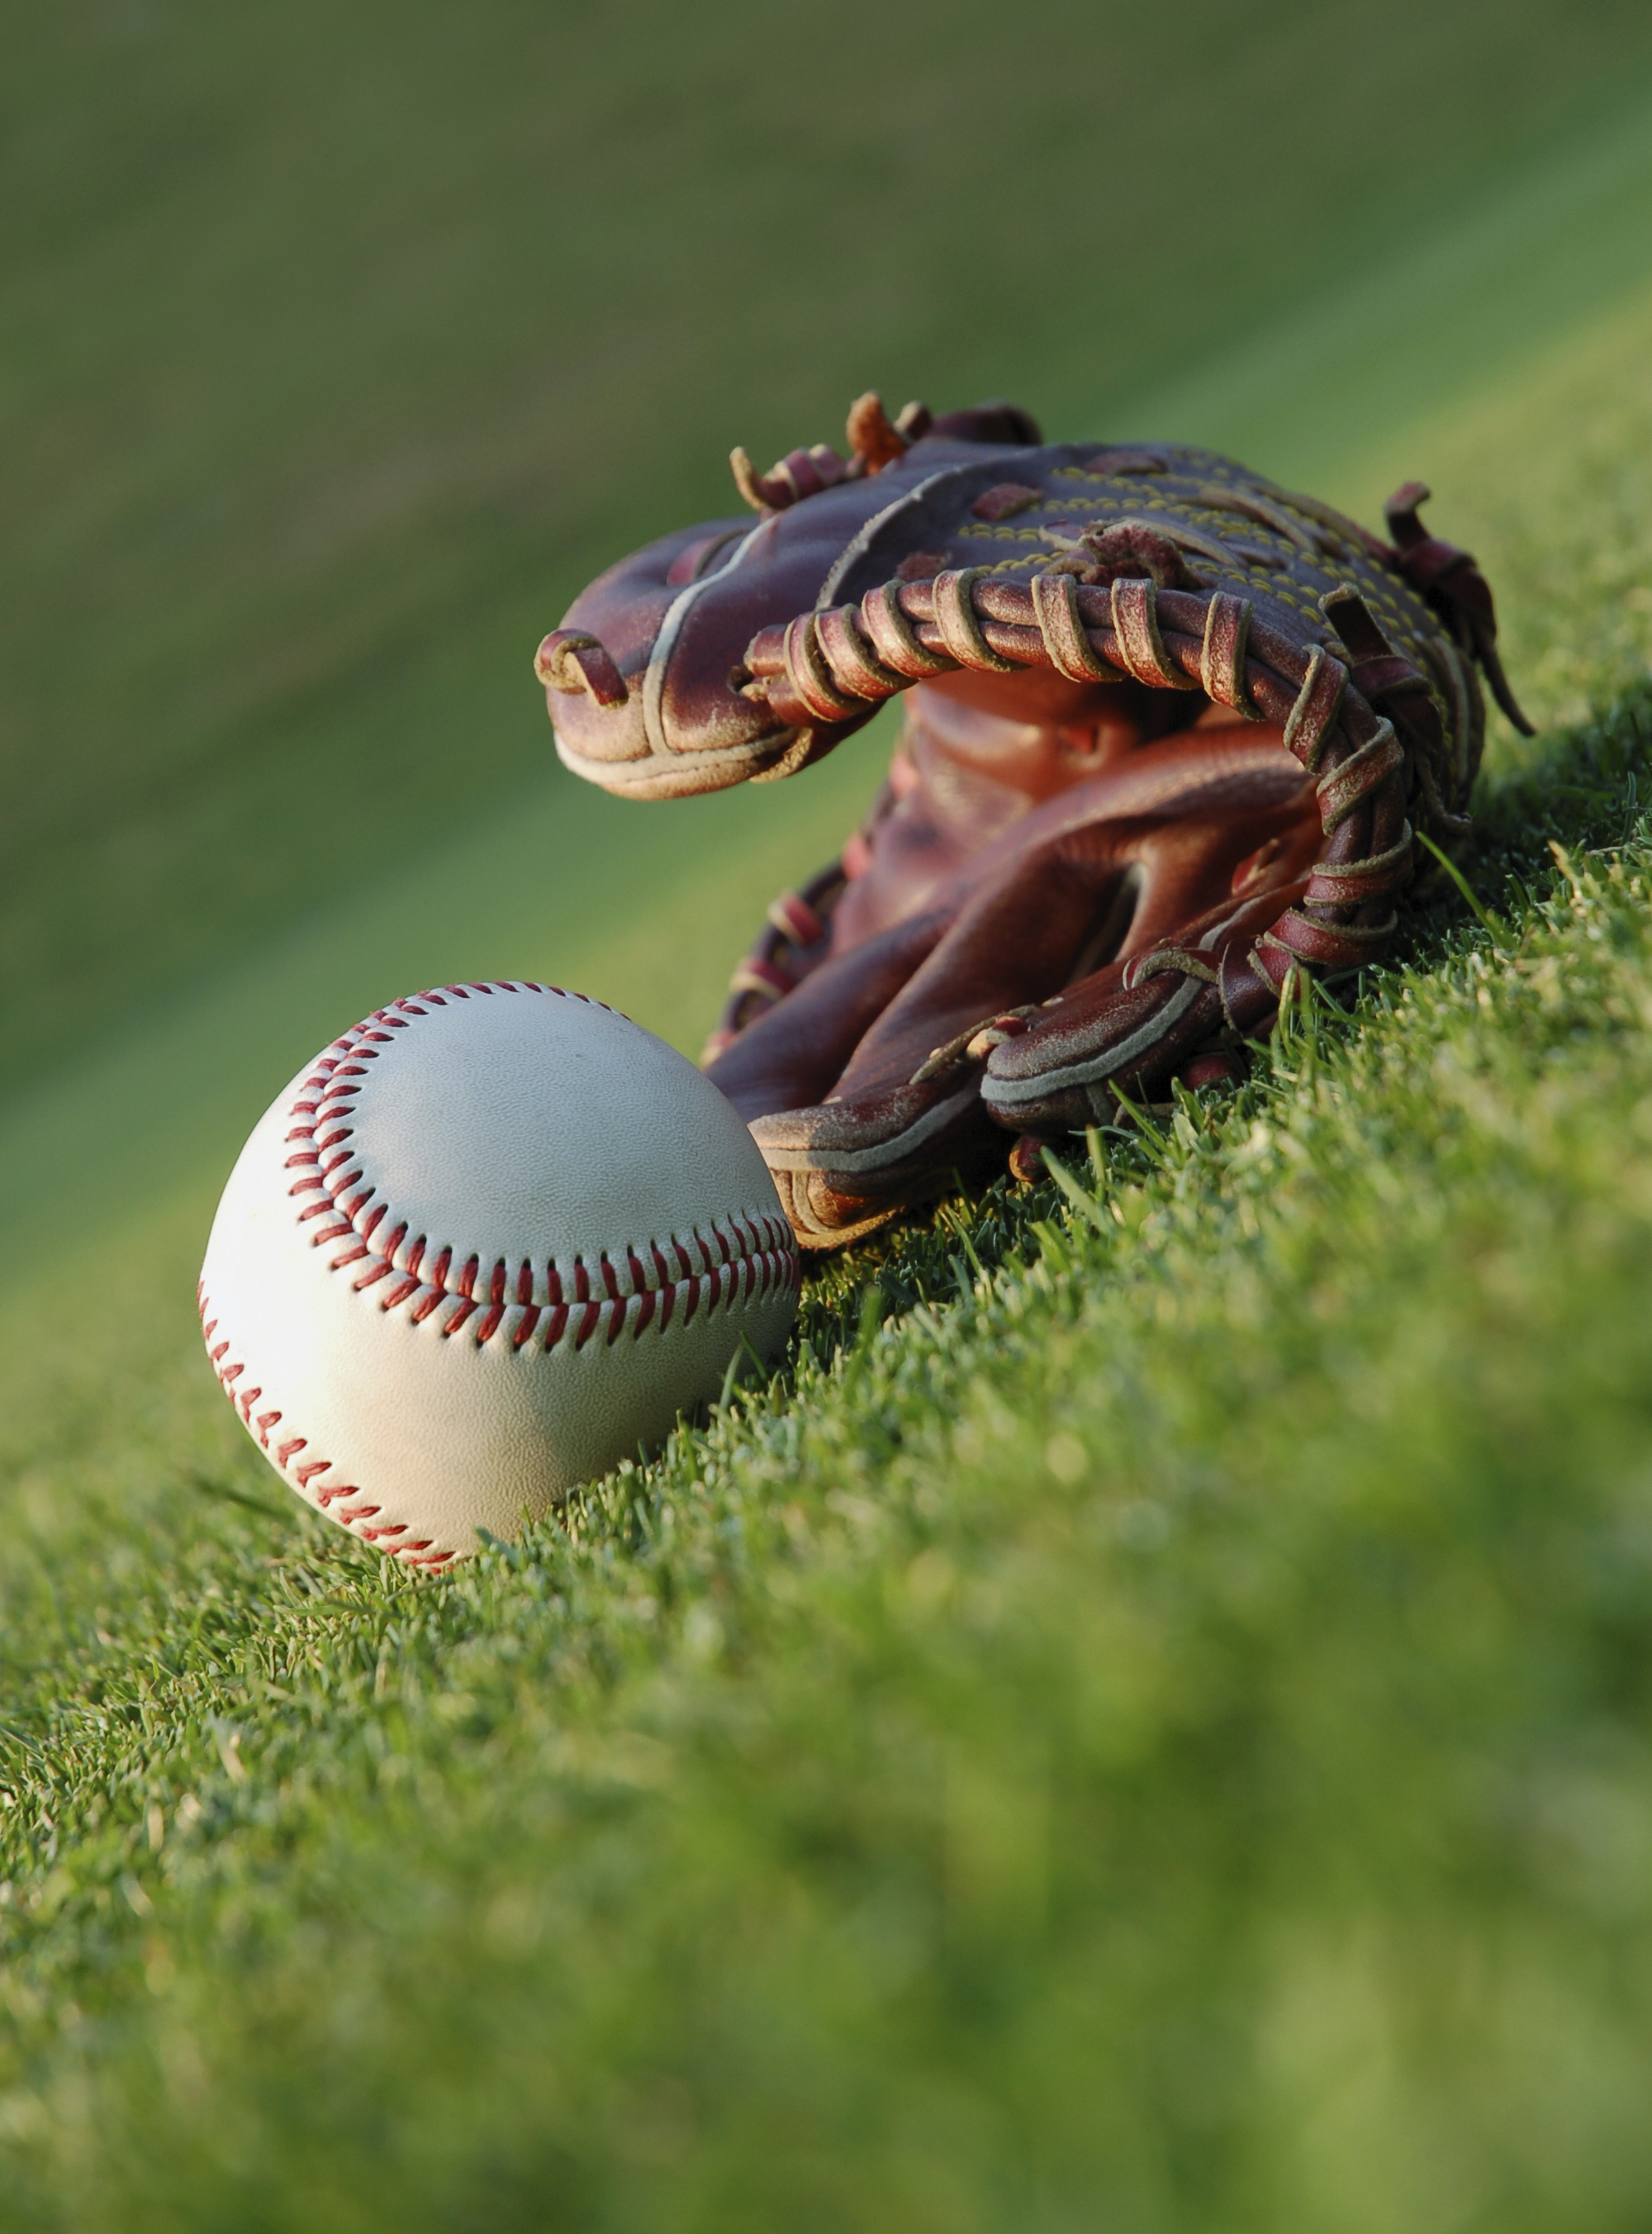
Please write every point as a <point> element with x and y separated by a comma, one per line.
<point>832,667</point>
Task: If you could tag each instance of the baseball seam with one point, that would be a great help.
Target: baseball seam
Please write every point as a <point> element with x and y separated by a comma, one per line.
<point>547,1302</point>
<point>417,1553</point>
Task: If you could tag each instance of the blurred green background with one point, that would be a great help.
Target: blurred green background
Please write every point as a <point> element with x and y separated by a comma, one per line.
<point>343,343</point>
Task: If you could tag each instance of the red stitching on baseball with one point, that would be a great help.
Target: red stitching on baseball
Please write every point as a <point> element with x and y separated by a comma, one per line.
<point>306,1473</point>
<point>728,1270</point>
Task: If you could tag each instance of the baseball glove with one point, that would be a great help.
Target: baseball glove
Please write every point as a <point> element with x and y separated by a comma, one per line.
<point>1170,731</point>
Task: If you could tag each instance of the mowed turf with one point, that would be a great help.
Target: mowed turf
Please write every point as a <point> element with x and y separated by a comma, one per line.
<point>1146,1724</point>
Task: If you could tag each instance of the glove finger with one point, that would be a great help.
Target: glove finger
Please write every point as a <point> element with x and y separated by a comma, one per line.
<point>793,1054</point>
<point>1118,1029</point>
<point>641,677</point>
<point>904,1116</point>
<point>842,1169</point>
<point>1076,879</point>
<point>1109,868</point>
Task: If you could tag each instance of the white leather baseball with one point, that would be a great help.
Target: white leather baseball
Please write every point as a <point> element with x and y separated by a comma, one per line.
<point>485,1243</point>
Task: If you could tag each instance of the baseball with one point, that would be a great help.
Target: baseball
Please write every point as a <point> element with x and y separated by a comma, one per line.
<point>485,1244</point>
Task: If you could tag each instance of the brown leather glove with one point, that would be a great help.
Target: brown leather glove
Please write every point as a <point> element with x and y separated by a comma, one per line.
<point>1169,732</point>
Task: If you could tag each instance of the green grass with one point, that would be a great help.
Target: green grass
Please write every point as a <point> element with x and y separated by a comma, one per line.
<point>1151,1730</point>
<point>1145,1723</point>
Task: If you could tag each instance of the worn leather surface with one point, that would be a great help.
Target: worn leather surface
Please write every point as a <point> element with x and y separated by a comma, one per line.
<point>1170,732</point>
